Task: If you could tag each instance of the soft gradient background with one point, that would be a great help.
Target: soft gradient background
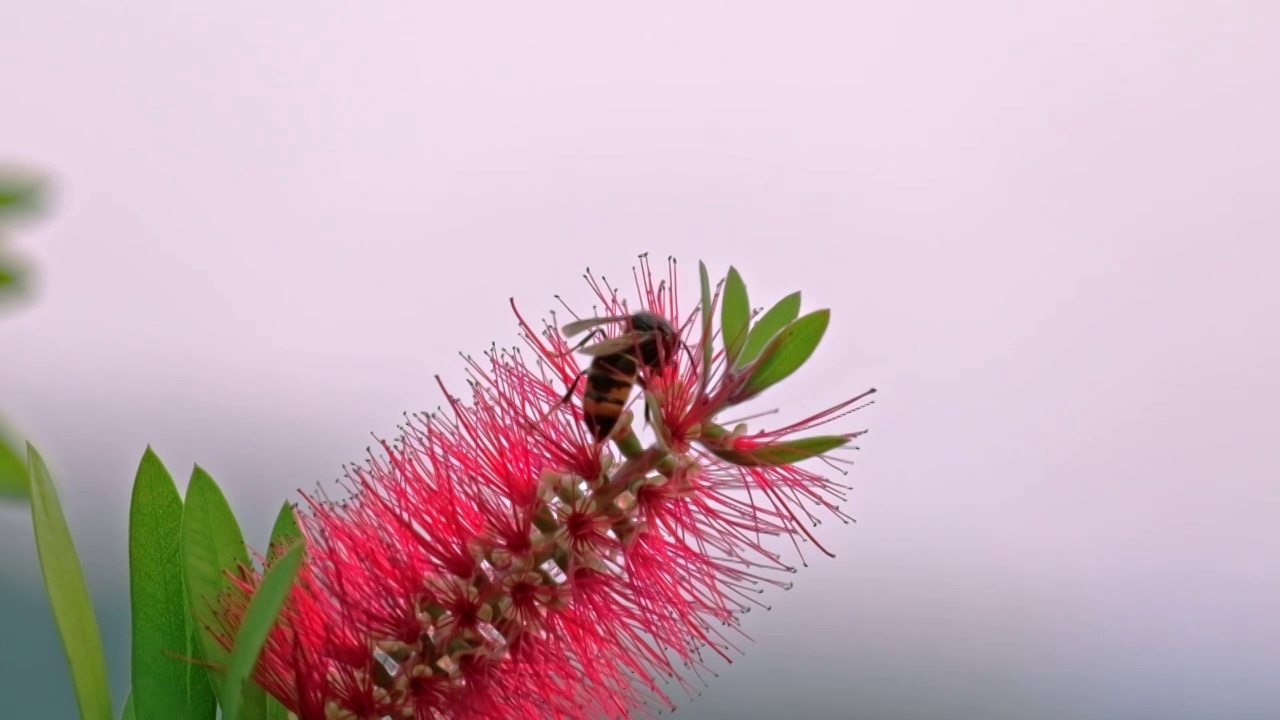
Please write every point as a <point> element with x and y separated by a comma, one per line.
<point>1048,233</point>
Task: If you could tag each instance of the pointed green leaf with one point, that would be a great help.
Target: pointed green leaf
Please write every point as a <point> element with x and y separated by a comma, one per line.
<point>735,315</point>
<point>68,594</point>
<point>784,452</point>
<point>13,472</point>
<point>258,705</point>
<point>255,703</point>
<point>211,543</point>
<point>769,325</point>
<point>276,711</point>
<point>284,533</point>
<point>786,353</point>
<point>126,712</point>
<point>258,621</point>
<point>160,633</point>
<point>200,699</point>
<point>201,704</point>
<point>707,312</point>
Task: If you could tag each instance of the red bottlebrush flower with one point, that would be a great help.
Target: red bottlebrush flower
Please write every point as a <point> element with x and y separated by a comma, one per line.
<point>500,562</point>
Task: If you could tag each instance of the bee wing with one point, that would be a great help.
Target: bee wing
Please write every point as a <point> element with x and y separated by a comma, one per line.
<point>577,326</point>
<point>618,344</point>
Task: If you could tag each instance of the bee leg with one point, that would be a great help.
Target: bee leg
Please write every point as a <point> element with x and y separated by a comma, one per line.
<point>567,396</point>
<point>574,386</point>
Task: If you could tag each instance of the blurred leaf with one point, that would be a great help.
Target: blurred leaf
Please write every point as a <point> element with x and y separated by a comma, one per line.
<point>19,194</point>
<point>276,711</point>
<point>12,275</point>
<point>735,315</point>
<point>769,324</point>
<point>256,704</point>
<point>284,532</point>
<point>13,472</point>
<point>785,452</point>
<point>707,311</point>
<point>211,543</point>
<point>258,621</point>
<point>160,625</point>
<point>68,594</point>
<point>126,712</point>
<point>786,352</point>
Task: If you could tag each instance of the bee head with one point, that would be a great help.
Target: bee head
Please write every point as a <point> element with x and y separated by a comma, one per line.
<point>662,340</point>
<point>645,321</point>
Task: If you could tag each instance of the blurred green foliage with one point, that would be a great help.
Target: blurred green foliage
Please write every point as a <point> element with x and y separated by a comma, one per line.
<point>13,471</point>
<point>22,196</point>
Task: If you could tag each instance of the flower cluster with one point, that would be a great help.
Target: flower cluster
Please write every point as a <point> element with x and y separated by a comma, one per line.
<point>496,561</point>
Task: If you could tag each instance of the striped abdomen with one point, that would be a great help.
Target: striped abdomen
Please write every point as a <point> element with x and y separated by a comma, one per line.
<point>609,382</point>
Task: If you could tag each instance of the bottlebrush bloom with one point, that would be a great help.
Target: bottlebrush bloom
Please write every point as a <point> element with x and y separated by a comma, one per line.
<point>496,561</point>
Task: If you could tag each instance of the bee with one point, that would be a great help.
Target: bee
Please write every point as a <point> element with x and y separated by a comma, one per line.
<point>650,341</point>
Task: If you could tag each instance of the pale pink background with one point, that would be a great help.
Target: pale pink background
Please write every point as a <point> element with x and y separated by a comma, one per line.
<point>1047,232</point>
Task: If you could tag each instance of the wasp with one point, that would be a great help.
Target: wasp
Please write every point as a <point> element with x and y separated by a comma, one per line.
<point>649,341</point>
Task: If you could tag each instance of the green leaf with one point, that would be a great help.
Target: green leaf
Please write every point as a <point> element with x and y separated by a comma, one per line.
<point>735,315</point>
<point>284,533</point>
<point>258,620</point>
<point>19,194</point>
<point>211,543</point>
<point>276,711</point>
<point>12,275</point>
<point>161,632</point>
<point>769,324</point>
<point>707,311</point>
<point>126,712</point>
<point>200,700</point>
<point>786,353</point>
<point>68,594</point>
<point>256,703</point>
<point>13,472</point>
<point>784,452</point>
